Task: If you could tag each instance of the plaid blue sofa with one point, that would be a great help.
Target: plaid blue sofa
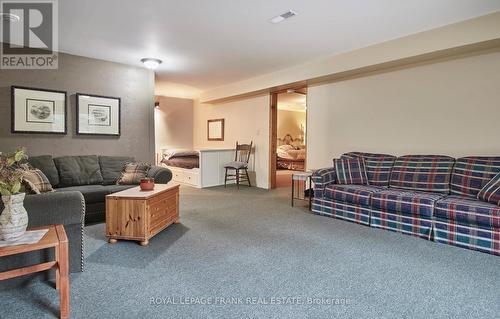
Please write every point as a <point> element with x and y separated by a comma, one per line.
<point>428,196</point>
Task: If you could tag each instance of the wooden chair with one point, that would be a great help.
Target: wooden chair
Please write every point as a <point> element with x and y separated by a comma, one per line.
<point>239,165</point>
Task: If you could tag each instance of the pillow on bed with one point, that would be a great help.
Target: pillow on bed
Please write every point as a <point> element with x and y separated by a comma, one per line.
<point>171,153</point>
<point>286,147</point>
<point>283,154</point>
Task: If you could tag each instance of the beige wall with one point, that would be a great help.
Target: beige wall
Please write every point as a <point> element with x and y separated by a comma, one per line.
<point>245,120</point>
<point>450,108</point>
<point>289,123</point>
<point>173,123</point>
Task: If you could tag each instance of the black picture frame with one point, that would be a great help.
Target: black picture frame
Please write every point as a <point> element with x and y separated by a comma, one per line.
<point>79,95</point>
<point>13,106</point>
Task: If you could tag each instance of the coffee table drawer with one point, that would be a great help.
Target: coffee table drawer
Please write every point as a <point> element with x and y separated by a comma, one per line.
<point>162,210</point>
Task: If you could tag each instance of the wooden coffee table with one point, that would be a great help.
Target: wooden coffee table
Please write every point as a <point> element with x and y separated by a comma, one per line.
<point>138,215</point>
<point>54,238</point>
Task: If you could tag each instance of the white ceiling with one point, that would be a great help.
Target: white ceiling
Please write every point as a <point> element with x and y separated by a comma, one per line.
<point>205,44</point>
<point>292,102</point>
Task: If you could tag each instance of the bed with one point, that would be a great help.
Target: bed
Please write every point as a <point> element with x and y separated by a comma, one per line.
<point>182,159</point>
<point>290,157</point>
<point>198,168</point>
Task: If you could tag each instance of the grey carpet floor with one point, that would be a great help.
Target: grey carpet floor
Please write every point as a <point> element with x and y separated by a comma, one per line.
<point>250,245</point>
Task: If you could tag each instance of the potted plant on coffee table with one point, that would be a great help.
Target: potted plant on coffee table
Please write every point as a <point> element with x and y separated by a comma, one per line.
<point>14,218</point>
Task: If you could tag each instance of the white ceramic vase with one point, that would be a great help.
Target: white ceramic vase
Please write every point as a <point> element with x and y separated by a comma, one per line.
<point>14,218</point>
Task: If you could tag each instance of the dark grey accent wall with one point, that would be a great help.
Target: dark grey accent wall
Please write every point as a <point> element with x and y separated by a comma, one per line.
<point>134,85</point>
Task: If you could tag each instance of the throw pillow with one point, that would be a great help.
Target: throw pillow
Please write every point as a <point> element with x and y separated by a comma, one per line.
<point>132,173</point>
<point>111,167</point>
<point>491,191</point>
<point>350,171</point>
<point>46,164</point>
<point>36,182</point>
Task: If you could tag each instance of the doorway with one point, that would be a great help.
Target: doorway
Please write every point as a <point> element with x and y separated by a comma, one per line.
<point>288,118</point>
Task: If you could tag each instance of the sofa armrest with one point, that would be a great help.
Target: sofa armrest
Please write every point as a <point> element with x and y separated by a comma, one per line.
<point>321,178</point>
<point>65,208</point>
<point>161,175</point>
<point>324,176</point>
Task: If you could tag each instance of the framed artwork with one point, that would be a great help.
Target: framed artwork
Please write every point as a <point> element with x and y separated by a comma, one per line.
<point>38,111</point>
<point>97,115</point>
<point>215,130</point>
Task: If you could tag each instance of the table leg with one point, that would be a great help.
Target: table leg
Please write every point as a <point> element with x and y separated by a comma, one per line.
<point>63,270</point>
<point>58,276</point>
<point>310,193</point>
<point>293,191</point>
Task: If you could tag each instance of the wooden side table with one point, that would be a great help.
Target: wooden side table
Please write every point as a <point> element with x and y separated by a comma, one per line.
<point>299,182</point>
<point>54,238</point>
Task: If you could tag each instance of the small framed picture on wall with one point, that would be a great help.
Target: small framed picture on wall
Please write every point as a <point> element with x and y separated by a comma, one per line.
<point>97,115</point>
<point>215,130</point>
<point>39,111</point>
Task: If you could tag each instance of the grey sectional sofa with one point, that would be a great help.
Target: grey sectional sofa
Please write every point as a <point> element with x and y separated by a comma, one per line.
<point>93,176</point>
<point>81,184</point>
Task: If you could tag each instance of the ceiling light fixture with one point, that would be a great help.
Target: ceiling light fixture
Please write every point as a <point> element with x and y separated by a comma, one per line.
<point>283,17</point>
<point>151,63</point>
<point>9,17</point>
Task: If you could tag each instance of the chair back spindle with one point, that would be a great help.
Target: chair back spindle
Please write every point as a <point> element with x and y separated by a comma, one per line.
<point>243,152</point>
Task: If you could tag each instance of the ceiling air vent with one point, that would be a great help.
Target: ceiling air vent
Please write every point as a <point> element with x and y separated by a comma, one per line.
<point>282,17</point>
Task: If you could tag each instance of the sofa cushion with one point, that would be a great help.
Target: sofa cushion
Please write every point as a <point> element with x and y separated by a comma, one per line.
<point>111,167</point>
<point>470,174</point>
<point>350,171</point>
<point>78,170</point>
<point>378,166</point>
<point>468,211</point>
<point>426,173</point>
<point>491,191</point>
<point>354,194</point>
<point>95,193</point>
<point>46,164</point>
<point>405,202</point>
<point>118,188</point>
<point>91,193</point>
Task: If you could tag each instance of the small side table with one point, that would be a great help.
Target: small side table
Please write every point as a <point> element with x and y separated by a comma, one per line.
<point>54,238</point>
<point>299,182</point>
